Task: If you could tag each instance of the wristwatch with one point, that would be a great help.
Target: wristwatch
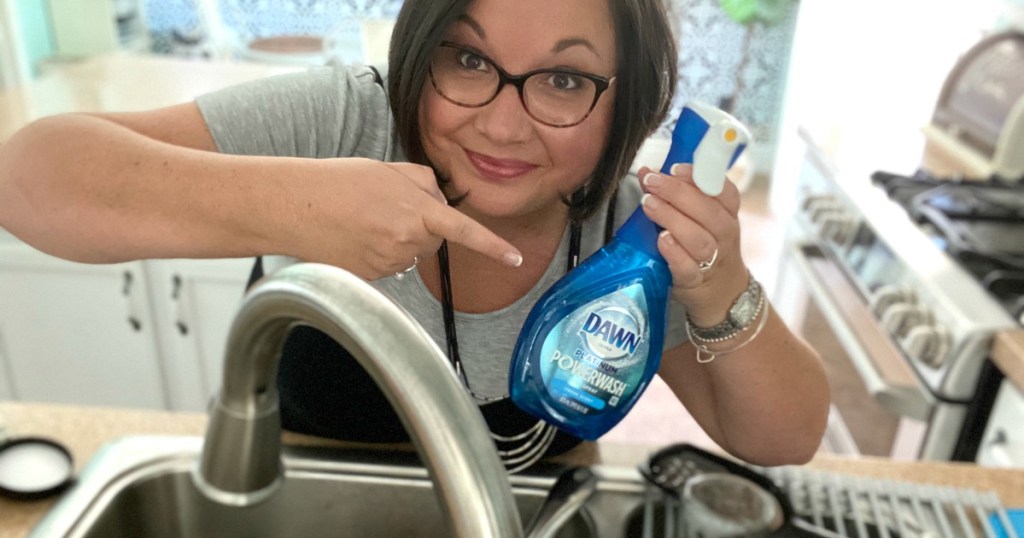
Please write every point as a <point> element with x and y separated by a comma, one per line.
<point>741,315</point>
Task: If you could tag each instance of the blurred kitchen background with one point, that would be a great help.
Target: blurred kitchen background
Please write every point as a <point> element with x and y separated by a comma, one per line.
<point>924,353</point>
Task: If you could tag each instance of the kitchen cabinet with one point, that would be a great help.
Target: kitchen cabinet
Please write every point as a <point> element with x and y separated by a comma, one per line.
<point>76,333</point>
<point>142,334</point>
<point>66,330</point>
<point>196,301</point>
<point>1003,442</point>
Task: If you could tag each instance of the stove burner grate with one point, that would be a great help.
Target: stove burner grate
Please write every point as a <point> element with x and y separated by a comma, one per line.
<point>980,223</point>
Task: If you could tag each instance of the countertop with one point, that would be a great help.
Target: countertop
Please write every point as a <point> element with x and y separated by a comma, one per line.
<point>121,81</point>
<point>85,429</point>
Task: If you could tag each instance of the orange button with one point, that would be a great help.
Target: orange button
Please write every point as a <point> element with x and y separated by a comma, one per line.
<point>730,135</point>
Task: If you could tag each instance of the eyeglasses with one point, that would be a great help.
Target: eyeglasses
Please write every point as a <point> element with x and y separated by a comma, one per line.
<point>554,97</point>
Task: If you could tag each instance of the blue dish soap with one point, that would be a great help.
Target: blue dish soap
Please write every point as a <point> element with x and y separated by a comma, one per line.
<point>593,341</point>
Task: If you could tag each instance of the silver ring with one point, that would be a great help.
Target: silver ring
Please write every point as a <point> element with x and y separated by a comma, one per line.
<point>401,274</point>
<point>706,265</point>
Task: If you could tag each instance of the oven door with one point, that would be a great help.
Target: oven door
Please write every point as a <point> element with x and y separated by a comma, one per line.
<point>879,405</point>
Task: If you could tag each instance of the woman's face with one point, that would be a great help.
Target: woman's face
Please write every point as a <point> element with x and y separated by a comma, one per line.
<point>507,163</point>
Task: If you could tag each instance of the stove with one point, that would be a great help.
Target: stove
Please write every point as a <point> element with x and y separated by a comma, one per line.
<point>980,224</point>
<point>902,280</point>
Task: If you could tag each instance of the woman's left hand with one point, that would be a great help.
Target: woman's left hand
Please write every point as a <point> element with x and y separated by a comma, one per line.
<point>698,229</point>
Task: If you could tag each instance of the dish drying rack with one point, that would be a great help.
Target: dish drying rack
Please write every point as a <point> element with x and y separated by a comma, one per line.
<point>862,507</point>
<point>822,503</point>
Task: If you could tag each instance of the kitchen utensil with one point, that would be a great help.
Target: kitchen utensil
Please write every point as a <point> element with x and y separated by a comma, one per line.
<point>565,498</point>
<point>725,505</point>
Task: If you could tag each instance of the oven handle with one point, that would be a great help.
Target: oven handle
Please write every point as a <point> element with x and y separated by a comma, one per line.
<point>883,368</point>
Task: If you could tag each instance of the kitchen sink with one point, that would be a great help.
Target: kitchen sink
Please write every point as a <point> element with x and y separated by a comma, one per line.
<point>143,487</point>
<point>240,481</point>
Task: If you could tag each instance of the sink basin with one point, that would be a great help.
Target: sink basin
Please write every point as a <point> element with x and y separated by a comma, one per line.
<point>142,487</point>
<point>240,481</point>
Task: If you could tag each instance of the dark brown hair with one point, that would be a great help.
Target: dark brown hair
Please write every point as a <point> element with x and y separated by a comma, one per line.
<point>645,80</point>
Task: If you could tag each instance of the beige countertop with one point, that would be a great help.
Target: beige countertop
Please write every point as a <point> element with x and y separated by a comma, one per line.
<point>84,429</point>
<point>121,82</point>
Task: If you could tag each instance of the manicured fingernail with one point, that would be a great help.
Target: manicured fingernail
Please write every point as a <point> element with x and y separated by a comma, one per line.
<point>514,259</point>
<point>649,201</point>
<point>666,237</point>
<point>676,169</point>
<point>652,179</point>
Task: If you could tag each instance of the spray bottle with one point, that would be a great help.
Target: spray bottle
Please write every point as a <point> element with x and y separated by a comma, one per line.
<point>593,341</point>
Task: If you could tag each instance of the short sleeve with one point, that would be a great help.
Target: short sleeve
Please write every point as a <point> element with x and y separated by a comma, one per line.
<point>337,111</point>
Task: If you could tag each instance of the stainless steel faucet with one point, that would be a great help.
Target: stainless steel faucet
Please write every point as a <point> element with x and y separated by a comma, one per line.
<point>241,459</point>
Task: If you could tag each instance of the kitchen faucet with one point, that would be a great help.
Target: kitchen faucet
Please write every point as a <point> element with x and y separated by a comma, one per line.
<point>241,456</point>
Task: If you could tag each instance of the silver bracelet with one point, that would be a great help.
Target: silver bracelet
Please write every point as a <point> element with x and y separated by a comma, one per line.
<point>711,354</point>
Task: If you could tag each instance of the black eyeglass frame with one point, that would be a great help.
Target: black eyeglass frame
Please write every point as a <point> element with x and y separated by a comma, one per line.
<point>601,84</point>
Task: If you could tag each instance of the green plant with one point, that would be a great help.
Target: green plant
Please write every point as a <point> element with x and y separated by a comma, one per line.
<point>750,13</point>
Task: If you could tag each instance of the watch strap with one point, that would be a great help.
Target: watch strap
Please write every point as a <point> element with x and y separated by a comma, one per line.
<point>744,310</point>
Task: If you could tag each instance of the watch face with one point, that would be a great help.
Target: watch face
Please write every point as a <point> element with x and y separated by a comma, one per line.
<point>744,310</point>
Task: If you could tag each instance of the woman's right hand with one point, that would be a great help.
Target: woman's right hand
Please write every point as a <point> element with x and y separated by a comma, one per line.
<point>375,218</point>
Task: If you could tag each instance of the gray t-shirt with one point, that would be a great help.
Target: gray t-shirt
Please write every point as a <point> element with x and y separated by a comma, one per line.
<point>342,111</point>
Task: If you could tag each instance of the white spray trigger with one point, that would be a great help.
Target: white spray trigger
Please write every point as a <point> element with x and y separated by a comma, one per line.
<point>713,153</point>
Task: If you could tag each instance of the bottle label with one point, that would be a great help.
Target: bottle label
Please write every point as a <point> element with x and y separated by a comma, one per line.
<point>593,359</point>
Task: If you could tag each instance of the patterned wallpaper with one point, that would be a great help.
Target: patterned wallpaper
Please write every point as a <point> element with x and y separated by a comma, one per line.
<point>711,45</point>
<point>176,26</point>
<point>711,54</point>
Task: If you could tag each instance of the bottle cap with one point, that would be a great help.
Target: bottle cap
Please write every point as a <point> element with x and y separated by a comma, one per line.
<point>34,468</point>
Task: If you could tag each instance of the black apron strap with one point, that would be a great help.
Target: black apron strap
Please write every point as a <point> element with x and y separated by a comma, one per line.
<point>256,273</point>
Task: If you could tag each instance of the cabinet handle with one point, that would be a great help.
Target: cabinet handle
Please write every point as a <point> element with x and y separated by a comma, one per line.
<point>127,291</point>
<point>1000,437</point>
<point>998,448</point>
<point>180,308</point>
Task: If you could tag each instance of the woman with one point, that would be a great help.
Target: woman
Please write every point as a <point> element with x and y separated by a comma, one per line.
<point>488,159</point>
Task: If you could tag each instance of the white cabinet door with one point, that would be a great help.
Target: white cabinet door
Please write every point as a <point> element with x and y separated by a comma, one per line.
<point>196,301</point>
<point>76,333</point>
<point>1003,442</point>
